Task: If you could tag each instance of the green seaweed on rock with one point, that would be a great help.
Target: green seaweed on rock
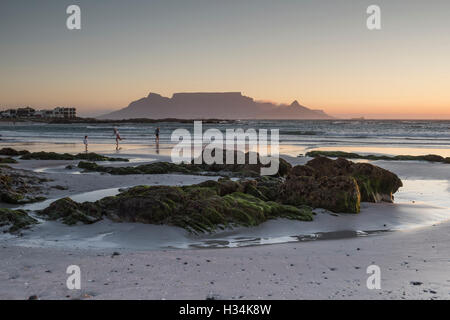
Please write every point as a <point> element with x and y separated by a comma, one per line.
<point>198,208</point>
<point>351,155</point>
<point>15,220</point>
<point>42,155</point>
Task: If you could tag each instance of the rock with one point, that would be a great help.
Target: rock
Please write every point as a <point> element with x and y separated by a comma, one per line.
<point>71,212</point>
<point>66,156</point>
<point>241,170</point>
<point>18,188</point>
<point>248,167</point>
<point>433,158</point>
<point>266,188</point>
<point>335,193</point>
<point>213,296</point>
<point>223,186</point>
<point>152,168</point>
<point>15,220</point>
<point>198,208</point>
<point>375,184</point>
<point>350,155</point>
<point>7,160</point>
<point>59,187</point>
<point>12,152</point>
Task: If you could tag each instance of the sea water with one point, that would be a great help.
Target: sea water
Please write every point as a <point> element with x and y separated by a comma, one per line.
<point>412,137</point>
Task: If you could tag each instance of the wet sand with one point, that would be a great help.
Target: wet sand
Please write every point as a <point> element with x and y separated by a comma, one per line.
<point>414,265</point>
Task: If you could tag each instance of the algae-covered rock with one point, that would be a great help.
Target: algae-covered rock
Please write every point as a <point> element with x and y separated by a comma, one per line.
<point>351,155</point>
<point>239,170</point>
<point>433,158</point>
<point>15,220</point>
<point>375,184</point>
<point>337,194</point>
<point>236,209</point>
<point>12,152</point>
<point>223,186</point>
<point>7,160</point>
<point>66,156</point>
<point>71,212</point>
<point>152,168</point>
<point>199,208</point>
<point>97,157</point>
<point>18,188</point>
<point>203,207</point>
<point>265,188</point>
<point>249,163</point>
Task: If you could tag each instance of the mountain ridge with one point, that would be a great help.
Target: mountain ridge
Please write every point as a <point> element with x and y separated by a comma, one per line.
<point>219,105</point>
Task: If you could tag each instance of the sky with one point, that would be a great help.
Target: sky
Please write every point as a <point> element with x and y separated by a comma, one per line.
<point>319,52</point>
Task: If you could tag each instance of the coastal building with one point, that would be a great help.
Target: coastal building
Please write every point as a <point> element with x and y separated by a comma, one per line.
<point>27,112</point>
<point>10,113</point>
<point>61,112</point>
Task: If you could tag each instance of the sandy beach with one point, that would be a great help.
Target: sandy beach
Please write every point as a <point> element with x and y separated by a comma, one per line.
<point>281,259</point>
<point>414,265</point>
<point>225,150</point>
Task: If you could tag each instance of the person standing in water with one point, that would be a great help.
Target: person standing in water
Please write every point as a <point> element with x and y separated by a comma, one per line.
<point>157,136</point>
<point>116,133</point>
<point>86,143</point>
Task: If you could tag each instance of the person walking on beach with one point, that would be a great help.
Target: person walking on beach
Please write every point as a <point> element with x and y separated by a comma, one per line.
<point>157,136</point>
<point>86,143</point>
<point>116,133</point>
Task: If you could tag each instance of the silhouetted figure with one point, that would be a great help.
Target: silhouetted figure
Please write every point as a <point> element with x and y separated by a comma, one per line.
<point>157,136</point>
<point>86,143</point>
<point>116,133</point>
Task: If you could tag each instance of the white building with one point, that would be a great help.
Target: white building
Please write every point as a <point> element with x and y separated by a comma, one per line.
<point>59,112</point>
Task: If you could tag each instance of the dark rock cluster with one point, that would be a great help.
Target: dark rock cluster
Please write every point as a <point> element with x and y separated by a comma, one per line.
<point>204,207</point>
<point>18,188</point>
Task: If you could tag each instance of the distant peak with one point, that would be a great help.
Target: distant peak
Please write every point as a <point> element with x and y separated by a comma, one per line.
<point>295,104</point>
<point>219,105</point>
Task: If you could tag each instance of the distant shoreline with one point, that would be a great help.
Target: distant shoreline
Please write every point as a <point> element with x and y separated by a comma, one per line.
<point>175,120</point>
<point>94,120</point>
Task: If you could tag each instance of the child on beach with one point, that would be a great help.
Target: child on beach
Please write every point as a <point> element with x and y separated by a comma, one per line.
<point>86,143</point>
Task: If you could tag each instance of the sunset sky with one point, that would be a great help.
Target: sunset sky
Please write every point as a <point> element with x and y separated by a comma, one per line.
<point>318,52</point>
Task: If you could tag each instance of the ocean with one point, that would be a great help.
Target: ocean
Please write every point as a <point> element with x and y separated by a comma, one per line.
<point>391,137</point>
